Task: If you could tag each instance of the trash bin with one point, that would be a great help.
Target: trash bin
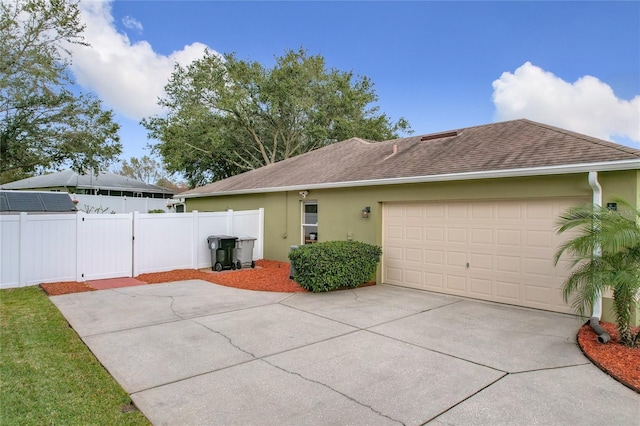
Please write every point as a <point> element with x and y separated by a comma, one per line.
<point>223,252</point>
<point>244,245</point>
<point>292,270</point>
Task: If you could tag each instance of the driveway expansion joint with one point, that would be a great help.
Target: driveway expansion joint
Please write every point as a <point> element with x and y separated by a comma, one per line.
<point>468,397</point>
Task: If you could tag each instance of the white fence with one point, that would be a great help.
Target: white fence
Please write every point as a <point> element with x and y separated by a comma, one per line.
<point>79,247</point>
<point>121,204</point>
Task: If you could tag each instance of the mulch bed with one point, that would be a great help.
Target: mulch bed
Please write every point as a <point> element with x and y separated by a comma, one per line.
<point>620,362</point>
<point>65,287</point>
<point>268,275</point>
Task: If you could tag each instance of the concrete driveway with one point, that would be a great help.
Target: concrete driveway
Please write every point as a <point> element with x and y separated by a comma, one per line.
<point>194,353</point>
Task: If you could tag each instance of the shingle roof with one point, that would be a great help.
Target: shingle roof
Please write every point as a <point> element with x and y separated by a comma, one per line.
<point>30,201</point>
<point>71,179</point>
<point>510,145</point>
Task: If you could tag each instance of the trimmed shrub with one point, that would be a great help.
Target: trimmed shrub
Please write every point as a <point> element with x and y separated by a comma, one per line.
<point>330,265</point>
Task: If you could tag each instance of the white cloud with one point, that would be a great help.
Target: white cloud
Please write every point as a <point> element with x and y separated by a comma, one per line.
<point>587,106</point>
<point>128,77</point>
<point>132,23</point>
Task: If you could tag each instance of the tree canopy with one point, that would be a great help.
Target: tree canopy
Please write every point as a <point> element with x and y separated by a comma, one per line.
<point>43,123</point>
<point>148,170</point>
<point>144,169</point>
<point>226,115</point>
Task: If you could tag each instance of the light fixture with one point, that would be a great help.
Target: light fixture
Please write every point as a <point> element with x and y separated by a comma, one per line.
<point>304,194</point>
<point>365,212</point>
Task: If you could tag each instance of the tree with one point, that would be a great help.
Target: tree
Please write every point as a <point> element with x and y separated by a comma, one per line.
<point>145,169</point>
<point>227,115</point>
<point>43,124</point>
<point>616,235</point>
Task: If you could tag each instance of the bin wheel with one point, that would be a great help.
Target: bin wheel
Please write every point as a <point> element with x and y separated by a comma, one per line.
<point>239,265</point>
<point>233,266</point>
<point>253,264</point>
<point>218,266</point>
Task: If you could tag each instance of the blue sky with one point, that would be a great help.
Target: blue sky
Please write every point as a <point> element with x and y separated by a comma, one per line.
<point>441,65</point>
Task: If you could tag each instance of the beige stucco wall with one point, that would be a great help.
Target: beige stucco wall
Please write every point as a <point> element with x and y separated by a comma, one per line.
<point>339,210</point>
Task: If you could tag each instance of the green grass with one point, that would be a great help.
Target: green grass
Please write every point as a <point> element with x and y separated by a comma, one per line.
<point>47,374</point>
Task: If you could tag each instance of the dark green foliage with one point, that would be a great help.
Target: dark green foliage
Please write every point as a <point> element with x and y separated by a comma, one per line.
<point>616,235</point>
<point>330,265</point>
<point>44,124</point>
<point>226,115</point>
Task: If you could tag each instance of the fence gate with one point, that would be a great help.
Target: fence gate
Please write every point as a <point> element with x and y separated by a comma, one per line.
<point>105,246</point>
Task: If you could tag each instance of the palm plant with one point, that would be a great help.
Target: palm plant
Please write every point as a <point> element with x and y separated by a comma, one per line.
<point>605,255</point>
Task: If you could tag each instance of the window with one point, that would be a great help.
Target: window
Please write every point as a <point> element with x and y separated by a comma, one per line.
<point>309,222</point>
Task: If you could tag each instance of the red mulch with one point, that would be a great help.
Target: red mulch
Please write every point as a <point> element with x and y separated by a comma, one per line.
<point>618,361</point>
<point>268,275</point>
<point>65,287</point>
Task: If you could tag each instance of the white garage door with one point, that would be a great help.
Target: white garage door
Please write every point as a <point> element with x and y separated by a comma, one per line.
<point>499,250</point>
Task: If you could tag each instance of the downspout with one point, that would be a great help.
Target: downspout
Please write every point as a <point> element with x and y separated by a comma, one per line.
<point>594,321</point>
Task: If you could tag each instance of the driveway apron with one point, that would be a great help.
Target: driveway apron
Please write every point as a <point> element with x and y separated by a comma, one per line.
<point>194,353</point>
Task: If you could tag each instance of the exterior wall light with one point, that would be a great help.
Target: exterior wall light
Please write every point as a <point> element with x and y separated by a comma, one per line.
<point>365,212</point>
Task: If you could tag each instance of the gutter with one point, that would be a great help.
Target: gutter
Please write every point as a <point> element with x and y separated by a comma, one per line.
<point>491,174</point>
<point>594,321</point>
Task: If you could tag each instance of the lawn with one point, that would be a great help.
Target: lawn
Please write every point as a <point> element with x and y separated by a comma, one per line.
<point>47,374</point>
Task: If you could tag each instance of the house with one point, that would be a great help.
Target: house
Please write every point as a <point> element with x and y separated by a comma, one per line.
<point>468,212</point>
<point>104,183</point>
<point>14,202</point>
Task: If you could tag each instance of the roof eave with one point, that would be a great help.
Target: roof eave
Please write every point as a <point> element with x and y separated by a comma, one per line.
<point>490,174</point>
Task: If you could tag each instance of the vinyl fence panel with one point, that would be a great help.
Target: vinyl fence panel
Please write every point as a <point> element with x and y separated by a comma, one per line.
<point>10,251</point>
<point>79,247</point>
<point>47,248</point>
<point>105,245</point>
<point>163,242</point>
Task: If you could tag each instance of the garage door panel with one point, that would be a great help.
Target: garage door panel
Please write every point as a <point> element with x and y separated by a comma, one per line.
<point>414,212</point>
<point>457,211</point>
<point>540,238</point>
<point>434,281</point>
<point>540,210</point>
<point>395,232</point>
<point>457,235</point>
<point>435,234</point>
<point>481,287</point>
<point>456,283</point>
<point>413,233</point>
<point>456,259</point>
<point>537,295</point>
<point>508,264</point>
<point>434,257</point>
<point>509,246</point>
<point>508,211</point>
<point>393,253</point>
<point>509,237</point>
<point>413,255</point>
<point>508,292</point>
<point>539,267</point>
<point>481,261</point>
<point>482,211</point>
<point>413,278</point>
<point>482,236</point>
<point>394,275</point>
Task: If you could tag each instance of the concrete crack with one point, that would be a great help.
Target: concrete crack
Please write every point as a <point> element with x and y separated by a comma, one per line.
<point>171,305</point>
<point>228,339</point>
<point>334,390</point>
